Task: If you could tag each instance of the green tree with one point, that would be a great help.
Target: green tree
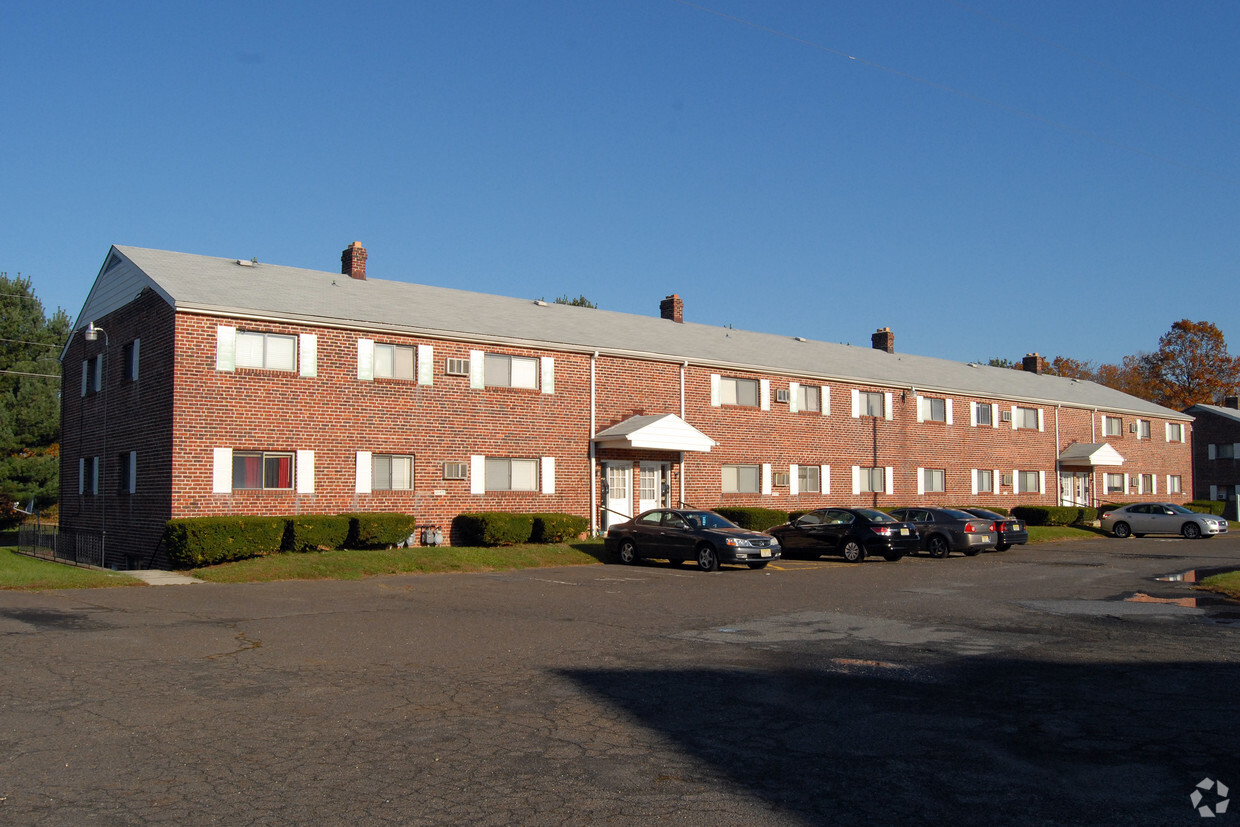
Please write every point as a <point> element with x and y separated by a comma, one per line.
<point>30,346</point>
<point>580,301</point>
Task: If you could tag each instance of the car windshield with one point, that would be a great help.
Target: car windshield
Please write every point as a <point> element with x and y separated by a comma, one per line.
<point>708,519</point>
<point>1179,509</point>
<point>876,516</point>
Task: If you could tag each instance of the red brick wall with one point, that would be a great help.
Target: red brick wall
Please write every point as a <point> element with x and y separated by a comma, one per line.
<point>1224,474</point>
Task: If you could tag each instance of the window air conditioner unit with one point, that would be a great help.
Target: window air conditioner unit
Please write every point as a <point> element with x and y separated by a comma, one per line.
<point>781,480</point>
<point>781,395</point>
<point>457,367</point>
<point>1007,479</point>
<point>455,470</point>
<point>1132,428</point>
<point>1005,416</point>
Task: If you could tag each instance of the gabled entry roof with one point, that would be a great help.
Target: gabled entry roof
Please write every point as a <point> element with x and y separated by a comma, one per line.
<point>658,432</point>
<point>1091,454</point>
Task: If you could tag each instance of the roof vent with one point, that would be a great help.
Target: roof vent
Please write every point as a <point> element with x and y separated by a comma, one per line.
<point>245,263</point>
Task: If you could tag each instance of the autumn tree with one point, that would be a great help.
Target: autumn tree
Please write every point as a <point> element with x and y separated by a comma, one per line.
<point>1192,366</point>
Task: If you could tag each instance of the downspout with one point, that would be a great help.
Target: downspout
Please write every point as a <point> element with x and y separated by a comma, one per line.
<point>683,366</point>
<point>593,470</point>
<point>1058,469</point>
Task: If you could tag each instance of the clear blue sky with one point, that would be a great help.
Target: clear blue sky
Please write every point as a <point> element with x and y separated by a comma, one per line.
<point>988,178</point>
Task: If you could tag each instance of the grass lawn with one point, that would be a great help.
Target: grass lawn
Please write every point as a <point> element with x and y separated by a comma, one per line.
<point>18,571</point>
<point>1227,583</point>
<point>354,565</point>
<point>1060,533</point>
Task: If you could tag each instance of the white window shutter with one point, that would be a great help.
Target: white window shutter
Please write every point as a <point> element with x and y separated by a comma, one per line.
<point>794,388</point>
<point>221,470</point>
<point>764,389</point>
<point>856,472</point>
<point>714,390</point>
<point>826,401</point>
<point>1214,492</point>
<point>973,485</point>
<point>1167,429</point>
<point>548,475</point>
<point>82,477</point>
<point>998,481</point>
<point>856,403</point>
<point>477,470</point>
<point>994,414</point>
<point>1040,428</point>
<point>305,472</point>
<point>766,478</point>
<point>1127,483</point>
<point>226,353</point>
<point>362,478</point>
<point>366,360</point>
<point>890,480</point>
<point>948,404</point>
<point>547,381</point>
<point>1154,483</point>
<point>973,417</point>
<point>477,374</point>
<point>1041,482</point>
<point>824,479</point>
<point>1014,425</point>
<point>794,483</point>
<point>94,476</point>
<point>426,365</point>
<point>133,472</point>
<point>1211,451</point>
<point>887,405</point>
<point>308,354</point>
<point>921,408</point>
<point>921,482</point>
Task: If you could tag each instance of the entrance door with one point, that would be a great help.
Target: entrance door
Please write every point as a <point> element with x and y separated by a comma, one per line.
<point>1074,488</point>
<point>650,485</point>
<point>618,501</point>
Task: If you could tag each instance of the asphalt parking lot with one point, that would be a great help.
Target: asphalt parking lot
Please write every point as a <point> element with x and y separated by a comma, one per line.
<point>1054,684</point>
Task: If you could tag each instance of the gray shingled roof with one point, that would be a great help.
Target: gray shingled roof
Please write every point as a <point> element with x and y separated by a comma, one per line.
<point>222,286</point>
<point>1217,410</point>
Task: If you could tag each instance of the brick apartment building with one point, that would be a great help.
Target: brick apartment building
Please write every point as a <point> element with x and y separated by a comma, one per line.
<point>1216,453</point>
<point>213,386</point>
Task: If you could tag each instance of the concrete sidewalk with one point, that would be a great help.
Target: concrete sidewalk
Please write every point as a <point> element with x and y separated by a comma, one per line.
<point>157,577</point>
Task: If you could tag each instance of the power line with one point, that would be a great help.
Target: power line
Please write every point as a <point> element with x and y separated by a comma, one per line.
<point>36,344</point>
<point>962,93</point>
<point>23,373</point>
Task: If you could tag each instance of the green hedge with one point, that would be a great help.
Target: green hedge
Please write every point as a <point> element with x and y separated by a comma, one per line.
<point>205,541</point>
<point>493,528</point>
<point>315,532</point>
<point>1055,514</point>
<point>378,530</point>
<point>557,528</point>
<point>751,517</point>
<point>1214,507</point>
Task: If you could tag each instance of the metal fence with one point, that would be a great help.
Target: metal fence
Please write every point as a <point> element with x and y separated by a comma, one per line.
<point>84,548</point>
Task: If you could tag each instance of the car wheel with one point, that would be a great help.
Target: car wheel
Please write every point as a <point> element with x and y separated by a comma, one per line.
<point>937,546</point>
<point>853,552</point>
<point>707,559</point>
<point>1191,531</point>
<point>628,552</point>
<point>893,557</point>
<point>761,565</point>
<point>1121,530</point>
<point>1003,547</point>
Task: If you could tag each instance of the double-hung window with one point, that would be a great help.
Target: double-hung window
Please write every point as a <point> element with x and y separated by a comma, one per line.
<point>1028,482</point>
<point>266,351</point>
<point>393,361</point>
<point>92,374</point>
<point>872,480</point>
<point>741,479</point>
<point>1173,483</point>
<point>1143,429</point>
<point>983,413</point>
<point>1175,431</point>
<point>733,391</point>
<point>871,404</point>
<point>933,409</point>
<point>933,480</point>
<point>1027,418</point>
<point>501,371</point>
<point>88,475</point>
<point>504,474</point>
<point>809,398</point>
<point>809,479</point>
<point>1114,483</point>
<point>983,480</point>
<point>129,361</point>
<point>391,472</point>
<point>262,470</point>
<point>1112,426</point>
<point>127,472</point>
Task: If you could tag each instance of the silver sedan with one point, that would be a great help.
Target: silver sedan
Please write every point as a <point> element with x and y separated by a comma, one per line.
<point>1161,518</point>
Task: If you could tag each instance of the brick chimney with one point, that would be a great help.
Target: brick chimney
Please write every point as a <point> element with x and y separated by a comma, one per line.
<point>1231,402</point>
<point>673,307</point>
<point>883,339</point>
<point>353,261</point>
<point>1033,363</point>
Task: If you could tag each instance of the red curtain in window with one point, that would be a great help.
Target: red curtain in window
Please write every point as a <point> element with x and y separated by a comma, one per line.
<point>253,471</point>
<point>284,473</point>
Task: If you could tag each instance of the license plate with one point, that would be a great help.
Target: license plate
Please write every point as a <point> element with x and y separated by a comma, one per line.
<point>904,532</point>
<point>766,552</point>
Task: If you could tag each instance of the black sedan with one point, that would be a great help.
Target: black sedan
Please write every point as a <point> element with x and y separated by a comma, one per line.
<point>944,530</point>
<point>689,534</point>
<point>1011,531</point>
<point>853,533</point>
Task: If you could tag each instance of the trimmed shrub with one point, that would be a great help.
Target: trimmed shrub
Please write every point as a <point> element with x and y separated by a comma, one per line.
<point>556,528</point>
<point>315,532</point>
<point>1055,514</point>
<point>753,518</point>
<point>205,541</point>
<point>493,528</point>
<point>1214,507</point>
<point>378,530</point>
